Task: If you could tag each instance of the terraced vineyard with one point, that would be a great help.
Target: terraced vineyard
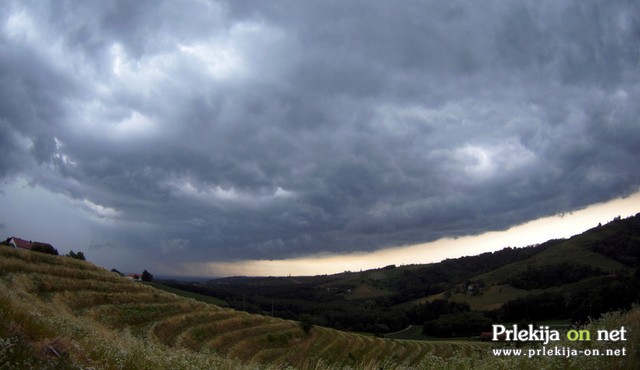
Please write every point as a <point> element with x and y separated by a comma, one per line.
<point>76,290</point>
<point>60,313</point>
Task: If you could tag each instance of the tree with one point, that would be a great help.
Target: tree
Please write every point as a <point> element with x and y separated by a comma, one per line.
<point>78,256</point>
<point>146,276</point>
<point>45,248</point>
<point>461,324</point>
<point>306,322</point>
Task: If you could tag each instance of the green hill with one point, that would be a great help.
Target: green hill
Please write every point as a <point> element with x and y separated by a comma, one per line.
<point>566,266</point>
<point>388,299</point>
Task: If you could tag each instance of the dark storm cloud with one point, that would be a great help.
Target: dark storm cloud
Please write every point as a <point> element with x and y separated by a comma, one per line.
<point>258,129</point>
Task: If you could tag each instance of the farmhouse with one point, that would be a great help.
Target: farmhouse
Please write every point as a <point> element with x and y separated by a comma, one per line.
<point>135,277</point>
<point>19,243</point>
<point>30,245</point>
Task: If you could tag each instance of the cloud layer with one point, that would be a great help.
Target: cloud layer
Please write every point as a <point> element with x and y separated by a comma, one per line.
<point>264,130</point>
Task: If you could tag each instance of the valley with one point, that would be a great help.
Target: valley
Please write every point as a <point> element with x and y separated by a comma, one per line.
<point>63,313</point>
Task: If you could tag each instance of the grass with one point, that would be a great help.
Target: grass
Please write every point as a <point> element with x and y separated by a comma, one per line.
<point>366,291</point>
<point>573,251</point>
<point>196,296</point>
<point>490,298</point>
<point>97,319</point>
<point>413,332</point>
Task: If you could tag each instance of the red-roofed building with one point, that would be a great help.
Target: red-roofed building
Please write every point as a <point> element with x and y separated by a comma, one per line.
<point>135,277</point>
<point>20,243</point>
<point>26,244</point>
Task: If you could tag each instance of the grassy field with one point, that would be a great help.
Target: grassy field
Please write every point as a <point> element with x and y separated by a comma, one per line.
<point>574,251</point>
<point>491,298</point>
<point>196,296</point>
<point>365,291</point>
<point>60,313</point>
<point>413,332</point>
<point>95,316</point>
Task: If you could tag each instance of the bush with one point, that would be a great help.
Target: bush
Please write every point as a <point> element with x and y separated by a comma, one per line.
<point>461,324</point>
<point>146,276</point>
<point>44,248</point>
<point>306,323</point>
<point>78,256</point>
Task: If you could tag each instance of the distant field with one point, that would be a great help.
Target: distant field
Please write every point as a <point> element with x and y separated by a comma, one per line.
<point>364,291</point>
<point>491,297</point>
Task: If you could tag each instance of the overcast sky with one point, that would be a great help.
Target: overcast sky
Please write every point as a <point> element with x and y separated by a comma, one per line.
<point>148,133</point>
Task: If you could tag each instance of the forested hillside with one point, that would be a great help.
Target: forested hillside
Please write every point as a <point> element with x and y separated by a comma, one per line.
<point>565,279</point>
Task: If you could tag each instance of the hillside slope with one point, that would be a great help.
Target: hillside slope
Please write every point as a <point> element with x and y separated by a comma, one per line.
<point>607,255</point>
<point>578,250</point>
<point>384,300</point>
<point>95,318</point>
<point>59,313</point>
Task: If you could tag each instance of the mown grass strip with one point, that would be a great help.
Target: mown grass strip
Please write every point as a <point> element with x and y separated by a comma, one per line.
<point>123,315</point>
<point>169,328</point>
<point>197,337</point>
<point>244,336</point>
<point>271,345</point>
<point>183,293</point>
<point>45,283</point>
<point>335,347</point>
<point>79,272</point>
<point>196,333</point>
<point>84,299</point>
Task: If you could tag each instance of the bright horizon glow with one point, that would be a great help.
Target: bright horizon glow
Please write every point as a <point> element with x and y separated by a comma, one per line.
<point>529,233</point>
